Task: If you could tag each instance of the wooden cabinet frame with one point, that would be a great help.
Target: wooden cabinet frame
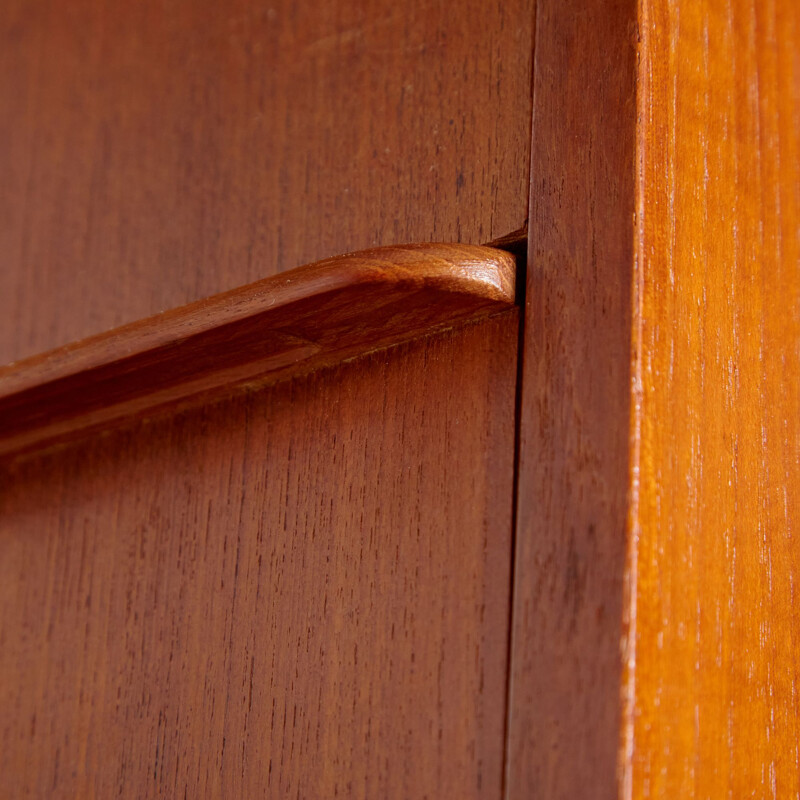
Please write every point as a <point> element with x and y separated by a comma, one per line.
<point>366,528</point>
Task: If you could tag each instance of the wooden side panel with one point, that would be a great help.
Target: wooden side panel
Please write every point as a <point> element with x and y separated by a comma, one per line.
<point>717,557</point>
<point>153,153</point>
<point>299,592</point>
<point>566,664</point>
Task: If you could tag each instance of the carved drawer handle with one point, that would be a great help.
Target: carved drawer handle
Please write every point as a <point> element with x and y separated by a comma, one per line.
<point>282,326</point>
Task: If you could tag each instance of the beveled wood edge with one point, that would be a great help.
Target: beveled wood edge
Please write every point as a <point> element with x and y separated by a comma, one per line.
<point>282,326</point>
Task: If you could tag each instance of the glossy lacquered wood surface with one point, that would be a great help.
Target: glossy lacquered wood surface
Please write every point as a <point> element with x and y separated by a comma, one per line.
<point>155,153</point>
<point>282,326</point>
<point>566,666</point>
<point>715,677</point>
<point>302,591</point>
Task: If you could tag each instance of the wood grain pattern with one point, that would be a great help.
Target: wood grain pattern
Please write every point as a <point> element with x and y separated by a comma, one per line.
<point>574,415</point>
<point>679,657</point>
<point>716,560</point>
<point>155,153</point>
<point>302,591</point>
<point>284,325</point>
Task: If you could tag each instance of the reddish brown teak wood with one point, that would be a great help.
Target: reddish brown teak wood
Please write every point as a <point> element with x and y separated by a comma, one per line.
<point>282,326</point>
<point>714,684</point>
<point>303,589</point>
<point>154,154</point>
<point>295,591</point>
<point>566,667</point>
<point>300,591</point>
<point>655,622</point>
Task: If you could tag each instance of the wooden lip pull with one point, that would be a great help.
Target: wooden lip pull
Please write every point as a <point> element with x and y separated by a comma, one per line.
<point>282,326</point>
